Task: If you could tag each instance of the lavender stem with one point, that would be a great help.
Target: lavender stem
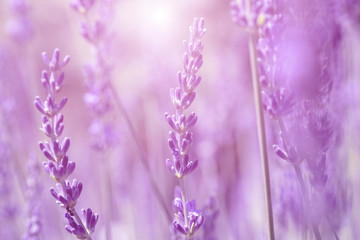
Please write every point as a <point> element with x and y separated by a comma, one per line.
<point>261,136</point>
<point>183,195</point>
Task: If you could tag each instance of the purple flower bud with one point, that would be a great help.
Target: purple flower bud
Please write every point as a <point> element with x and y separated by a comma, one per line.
<point>190,122</point>
<point>54,64</point>
<point>280,152</point>
<point>47,129</point>
<point>189,99</point>
<point>170,166</point>
<point>68,198</point>
<point>59,82</point>
<point>45,80</point>
<point>54,146</point>
<point>61,104</point>
<point>197,64</point>
<point>193,83</point>
<point>170,121</point>
<point>65,145</point>
<point>45,58</point>
<point>74,228</point>
<point>45,148</point>
<point>59,126</point>
<point>39,105</point>
<point>190,167</point>
<point>59,172</point>
<point>173,147</point>
<point>66,60</point>
<point>91,219</point>
<point>173,137</point>
<point>185,146</point>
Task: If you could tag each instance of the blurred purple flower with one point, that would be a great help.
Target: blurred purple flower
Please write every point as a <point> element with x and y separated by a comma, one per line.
<point>99,97</point>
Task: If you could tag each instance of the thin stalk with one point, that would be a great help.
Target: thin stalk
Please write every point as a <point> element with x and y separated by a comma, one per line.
<point>183,196</point>
<point>143,160</point>
<point>261,136</point>
<point>106,191</point>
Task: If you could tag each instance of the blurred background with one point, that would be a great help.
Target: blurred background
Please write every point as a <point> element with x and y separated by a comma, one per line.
<point>143,50</point>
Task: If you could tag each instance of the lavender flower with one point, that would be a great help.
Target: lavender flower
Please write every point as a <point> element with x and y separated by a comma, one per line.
<point>182,96</point>
<point>58,166</point>
<point>98,74</point>
<point>187,218</point>
<point>294,70</point>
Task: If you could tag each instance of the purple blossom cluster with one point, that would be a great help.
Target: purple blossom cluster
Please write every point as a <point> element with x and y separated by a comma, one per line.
<point>58,165</point>
<point>98,72</point>
<point>269,149</point>
<point>187,218</point>
<point>297,73</point>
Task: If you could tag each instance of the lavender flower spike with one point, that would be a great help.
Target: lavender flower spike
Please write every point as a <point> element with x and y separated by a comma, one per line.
<point>58,165</point>
<point>182,96</point>
<point>187,218</point>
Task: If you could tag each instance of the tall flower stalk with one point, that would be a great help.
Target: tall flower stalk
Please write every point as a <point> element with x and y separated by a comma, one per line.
<point>58,165</point>
<point>187,218</point>
<point>296,98</point>
<point>247,14</point>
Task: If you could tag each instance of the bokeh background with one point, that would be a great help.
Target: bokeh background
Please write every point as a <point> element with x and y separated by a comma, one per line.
<point>145,51</point>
